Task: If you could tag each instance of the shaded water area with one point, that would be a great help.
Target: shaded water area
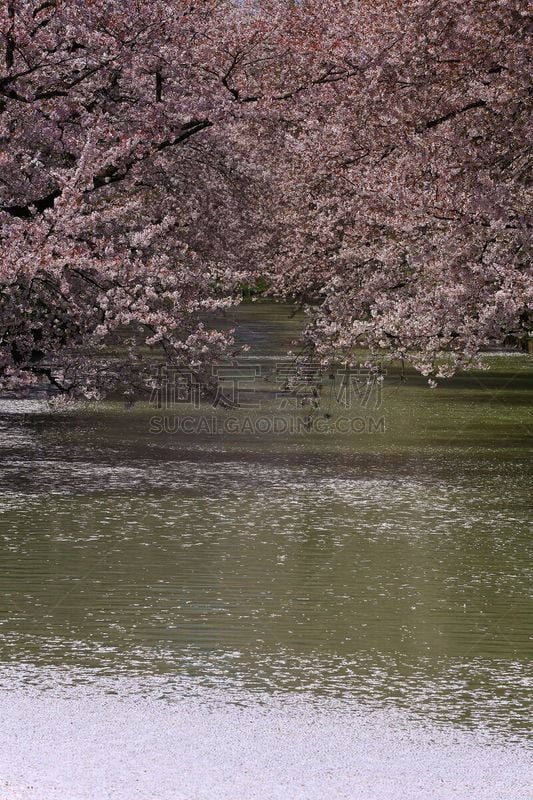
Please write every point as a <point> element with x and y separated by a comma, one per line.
<point>388,565</point>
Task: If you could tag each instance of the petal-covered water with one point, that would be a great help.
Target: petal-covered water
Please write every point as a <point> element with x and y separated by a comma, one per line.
<point>384,569</point>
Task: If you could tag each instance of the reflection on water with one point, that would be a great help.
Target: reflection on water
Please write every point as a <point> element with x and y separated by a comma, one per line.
<point>383,568</point>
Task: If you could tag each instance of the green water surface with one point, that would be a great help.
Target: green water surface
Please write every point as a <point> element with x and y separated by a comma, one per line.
<point>388,565</point>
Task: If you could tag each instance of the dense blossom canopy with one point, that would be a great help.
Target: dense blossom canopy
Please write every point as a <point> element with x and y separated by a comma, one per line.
<point>367,159</point>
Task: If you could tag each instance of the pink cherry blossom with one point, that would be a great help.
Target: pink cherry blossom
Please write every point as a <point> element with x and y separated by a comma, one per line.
<point>369,159</point>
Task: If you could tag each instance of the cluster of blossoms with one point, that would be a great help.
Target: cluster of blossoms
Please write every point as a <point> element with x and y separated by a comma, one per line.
<point>368,159</point>
<point>410,188</point>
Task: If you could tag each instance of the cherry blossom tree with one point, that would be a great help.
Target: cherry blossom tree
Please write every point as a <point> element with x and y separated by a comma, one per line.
<point>369,159</point>
<point>409,188</point>
<point>129,201</point>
